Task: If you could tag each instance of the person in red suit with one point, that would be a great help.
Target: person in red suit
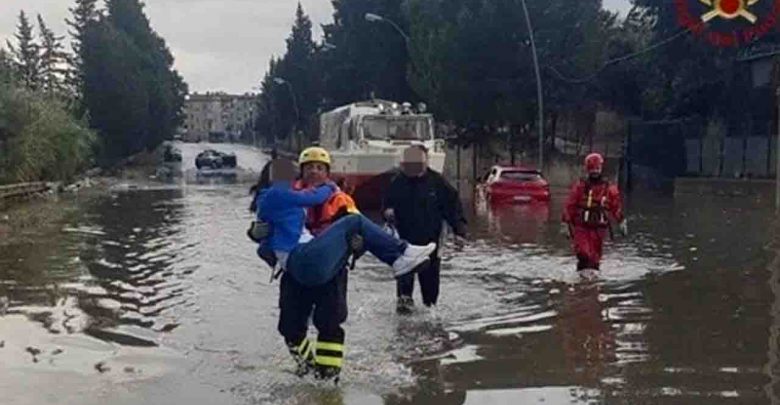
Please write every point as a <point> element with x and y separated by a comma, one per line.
<point>589,209</point>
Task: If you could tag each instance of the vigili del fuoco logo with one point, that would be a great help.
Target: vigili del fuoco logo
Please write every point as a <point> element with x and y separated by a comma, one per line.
<point>728,23</point>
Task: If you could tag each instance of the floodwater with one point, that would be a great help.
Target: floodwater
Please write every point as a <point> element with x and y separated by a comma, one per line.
<point>154,295</point>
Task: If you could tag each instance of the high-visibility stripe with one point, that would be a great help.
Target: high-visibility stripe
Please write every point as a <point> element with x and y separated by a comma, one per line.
<point>330,361</point>
<point>336,347</point>
<point>303,349</point>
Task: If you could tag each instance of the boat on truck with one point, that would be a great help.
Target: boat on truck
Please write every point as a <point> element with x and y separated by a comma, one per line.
<point>367,139</point>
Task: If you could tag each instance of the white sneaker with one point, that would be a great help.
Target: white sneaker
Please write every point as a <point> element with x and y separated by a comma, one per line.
<point>413,256</point>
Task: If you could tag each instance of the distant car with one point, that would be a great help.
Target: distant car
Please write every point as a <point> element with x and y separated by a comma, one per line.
<point>213,159</point>
<point>513,185</point>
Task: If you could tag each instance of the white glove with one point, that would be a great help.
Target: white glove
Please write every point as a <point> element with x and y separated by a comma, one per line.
<point>623,228</point>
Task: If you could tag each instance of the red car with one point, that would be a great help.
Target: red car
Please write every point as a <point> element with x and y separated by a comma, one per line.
<point>513,185</point>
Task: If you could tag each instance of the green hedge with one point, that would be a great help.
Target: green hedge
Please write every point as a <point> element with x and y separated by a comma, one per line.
<point>39,138</point>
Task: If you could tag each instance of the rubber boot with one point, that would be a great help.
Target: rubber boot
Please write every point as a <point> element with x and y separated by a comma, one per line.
<point>404,305</point>
<point>303,354</point>
<point>329,359</point>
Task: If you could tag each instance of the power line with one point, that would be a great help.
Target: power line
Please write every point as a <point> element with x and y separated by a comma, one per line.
<point>616,60</point>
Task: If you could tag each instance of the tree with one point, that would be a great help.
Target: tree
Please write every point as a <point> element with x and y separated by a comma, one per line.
<point>267,120</point>
<point>7,69</point>
<point>165,87</point>
<point>39,138</point>
<point>52,59</point>
<point>688,76</point>
<point>26,53</point>
<point>133,94</point>
<point>297,68</point>
<point>369,58</point>
<point>84,13</point>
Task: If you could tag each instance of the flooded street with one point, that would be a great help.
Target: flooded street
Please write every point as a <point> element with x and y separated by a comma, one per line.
<point>154,295</point>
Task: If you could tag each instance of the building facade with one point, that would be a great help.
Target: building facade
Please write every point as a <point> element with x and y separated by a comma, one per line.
<point>218,117</point>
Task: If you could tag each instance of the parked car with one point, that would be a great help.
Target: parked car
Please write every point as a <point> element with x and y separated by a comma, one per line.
<point>512,185</point>
<point>213,159</point>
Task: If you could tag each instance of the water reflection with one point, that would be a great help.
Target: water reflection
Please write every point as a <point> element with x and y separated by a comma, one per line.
<point>685,311</point>
<point>680,314</point>
<point>587,338</point>
<point>102,267</point>
<point>520,223</point>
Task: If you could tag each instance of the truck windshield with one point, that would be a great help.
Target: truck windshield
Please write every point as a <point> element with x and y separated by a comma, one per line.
<point>397,128</point>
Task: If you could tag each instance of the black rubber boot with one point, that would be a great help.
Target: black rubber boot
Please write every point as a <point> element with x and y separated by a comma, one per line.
<point>303,354</point>
<point>327,373</point>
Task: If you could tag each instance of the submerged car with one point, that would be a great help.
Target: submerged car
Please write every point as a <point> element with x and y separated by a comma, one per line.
<point>513,185</point>
<point>213,159</point>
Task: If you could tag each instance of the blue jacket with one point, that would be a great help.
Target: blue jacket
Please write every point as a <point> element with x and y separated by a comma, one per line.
<point>283,208</point>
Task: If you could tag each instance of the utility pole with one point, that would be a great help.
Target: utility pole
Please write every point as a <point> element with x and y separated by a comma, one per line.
<point>777,150</point>
<point>539,98</point>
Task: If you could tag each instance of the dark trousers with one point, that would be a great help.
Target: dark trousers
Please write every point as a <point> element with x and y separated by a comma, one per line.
<point>428,275</point>
<point>327,301</point>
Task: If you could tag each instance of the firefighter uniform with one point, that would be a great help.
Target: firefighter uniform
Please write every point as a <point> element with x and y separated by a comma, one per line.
<point>327,302</point>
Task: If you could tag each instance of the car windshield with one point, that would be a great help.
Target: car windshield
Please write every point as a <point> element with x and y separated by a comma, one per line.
<point>397,128</point>
<point>520,175</point>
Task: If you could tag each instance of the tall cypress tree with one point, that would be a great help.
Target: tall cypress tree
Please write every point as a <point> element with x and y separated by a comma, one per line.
<point>298,69</point>
<point>52,58</point>
<point>83,13</point>
<point>7,69</point>
<point>164,85</point>
<point>133,94</point>
<point>25,53</point>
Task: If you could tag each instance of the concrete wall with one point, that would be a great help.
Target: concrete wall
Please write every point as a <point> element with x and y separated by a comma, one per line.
<point>760,189</point>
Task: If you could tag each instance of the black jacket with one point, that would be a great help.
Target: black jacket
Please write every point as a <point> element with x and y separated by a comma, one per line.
<point>421,204</point>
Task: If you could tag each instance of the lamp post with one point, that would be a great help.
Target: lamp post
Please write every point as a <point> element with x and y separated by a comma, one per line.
<point>539,96</point>
<point>371,17</point>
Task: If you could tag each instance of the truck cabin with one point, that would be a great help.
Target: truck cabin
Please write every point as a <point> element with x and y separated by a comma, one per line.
<point>396,129</point>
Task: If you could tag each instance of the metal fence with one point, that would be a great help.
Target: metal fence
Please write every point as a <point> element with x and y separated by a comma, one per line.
<point>751,156</point>
<point>660,151</point>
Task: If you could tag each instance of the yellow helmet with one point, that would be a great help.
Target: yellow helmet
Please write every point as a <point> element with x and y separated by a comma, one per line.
<point>314,154</point>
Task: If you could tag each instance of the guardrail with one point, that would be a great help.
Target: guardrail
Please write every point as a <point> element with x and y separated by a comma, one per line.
<point>22,189</point>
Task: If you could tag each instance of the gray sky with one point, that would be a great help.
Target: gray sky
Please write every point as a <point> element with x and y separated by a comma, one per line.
<point>218,44</point>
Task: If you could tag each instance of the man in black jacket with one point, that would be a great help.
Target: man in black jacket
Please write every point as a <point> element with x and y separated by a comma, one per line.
<point>416,203</point>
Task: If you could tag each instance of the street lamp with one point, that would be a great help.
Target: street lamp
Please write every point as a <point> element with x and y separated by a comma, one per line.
<point>280,81</point>
<point>539,97</point>
<point>371,17</point>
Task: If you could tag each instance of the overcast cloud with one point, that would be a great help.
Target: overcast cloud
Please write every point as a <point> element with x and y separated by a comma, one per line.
<point>218,44</point>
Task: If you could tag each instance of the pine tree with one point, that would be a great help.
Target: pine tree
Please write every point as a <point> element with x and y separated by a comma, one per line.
<point>84,13</point>
<point>298,69</point>
<point>52,60</point>
<point>7,70</point>
<point>26,53</point>
<point>131,90</point>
